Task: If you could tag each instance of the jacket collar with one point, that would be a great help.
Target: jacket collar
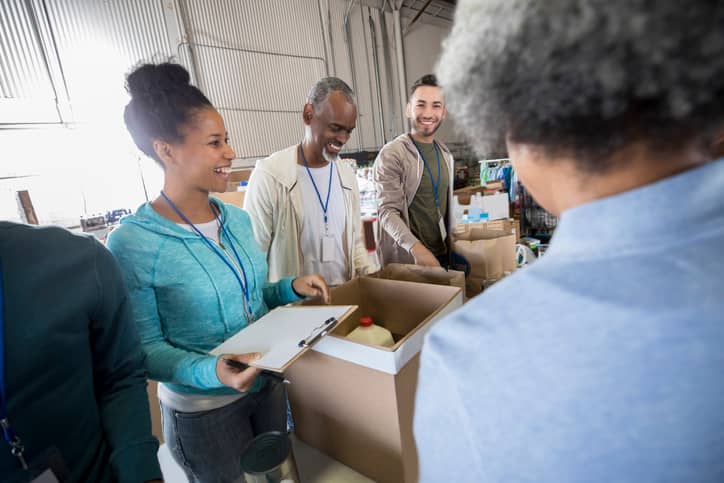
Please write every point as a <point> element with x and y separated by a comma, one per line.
<point>671,208</point>
<point>407,142</point>
<point>282,166</point>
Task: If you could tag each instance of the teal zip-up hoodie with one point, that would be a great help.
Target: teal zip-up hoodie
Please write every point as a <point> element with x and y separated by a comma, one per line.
<point>186,300</point>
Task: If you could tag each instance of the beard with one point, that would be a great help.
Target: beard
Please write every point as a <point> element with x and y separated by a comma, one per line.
<point>330,158</point>
<point>425,130</point>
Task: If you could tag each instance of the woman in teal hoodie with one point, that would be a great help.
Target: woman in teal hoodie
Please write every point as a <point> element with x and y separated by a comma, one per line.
<point>196,277</point>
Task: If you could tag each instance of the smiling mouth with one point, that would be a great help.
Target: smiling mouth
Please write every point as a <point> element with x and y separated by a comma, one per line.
<point>225,170</point>
<point>334,148</point>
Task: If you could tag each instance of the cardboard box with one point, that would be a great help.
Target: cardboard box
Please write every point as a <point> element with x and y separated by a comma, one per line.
<point>509,225</point>
<point>490,250</point>
<point>355,401</point>
<point>240,175</point>
<point>496,185</point>
<point>490,188</point>
<point>421,274</point>
<point>464,194</point>
<point>235,198</point>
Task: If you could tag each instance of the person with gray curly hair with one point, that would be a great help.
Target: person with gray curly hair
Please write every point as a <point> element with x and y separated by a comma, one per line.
<point>602,361</point>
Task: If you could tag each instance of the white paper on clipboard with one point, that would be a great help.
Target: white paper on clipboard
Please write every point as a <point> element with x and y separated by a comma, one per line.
<point>277,334</point>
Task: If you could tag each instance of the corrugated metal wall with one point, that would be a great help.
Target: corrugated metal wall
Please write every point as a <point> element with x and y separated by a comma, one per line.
<point>255,59</point>
<point>258,59</point>
<point>26,90</point>
<point>98,42</point>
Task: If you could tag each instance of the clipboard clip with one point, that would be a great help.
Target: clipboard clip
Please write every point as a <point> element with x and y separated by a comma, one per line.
<point>317,333</point>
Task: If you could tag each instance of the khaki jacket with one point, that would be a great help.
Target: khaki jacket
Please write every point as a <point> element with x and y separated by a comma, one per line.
<point>398,171</point>
<point>274,202</point>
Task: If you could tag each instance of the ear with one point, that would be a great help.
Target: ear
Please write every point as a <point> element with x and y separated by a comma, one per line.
<point>444,113</point>
<point>308,114</point>
<point>408,111</point>
<point>164,151</point>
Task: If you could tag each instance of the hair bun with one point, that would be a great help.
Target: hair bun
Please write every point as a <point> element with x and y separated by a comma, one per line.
<point>151,79</point>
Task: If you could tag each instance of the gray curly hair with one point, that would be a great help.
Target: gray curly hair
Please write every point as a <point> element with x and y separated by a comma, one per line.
<point>586,77</point>
<point>324,87</point>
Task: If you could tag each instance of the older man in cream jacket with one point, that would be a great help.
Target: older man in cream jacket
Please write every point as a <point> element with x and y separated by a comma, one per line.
<point>304,200</point>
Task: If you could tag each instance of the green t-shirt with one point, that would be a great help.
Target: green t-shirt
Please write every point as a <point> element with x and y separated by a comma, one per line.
<point>424,216</point>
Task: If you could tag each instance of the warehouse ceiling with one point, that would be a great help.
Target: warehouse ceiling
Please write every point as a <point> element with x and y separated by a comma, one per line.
<point>443,9</point>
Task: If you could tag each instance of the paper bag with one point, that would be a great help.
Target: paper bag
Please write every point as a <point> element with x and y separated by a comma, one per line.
<point>489,248</point>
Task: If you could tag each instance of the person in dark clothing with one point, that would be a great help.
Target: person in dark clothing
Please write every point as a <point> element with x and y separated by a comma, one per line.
<point>74,378</point>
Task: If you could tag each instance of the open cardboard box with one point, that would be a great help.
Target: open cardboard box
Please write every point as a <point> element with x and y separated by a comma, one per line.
<point>421,274</point>
<point>355,401</point>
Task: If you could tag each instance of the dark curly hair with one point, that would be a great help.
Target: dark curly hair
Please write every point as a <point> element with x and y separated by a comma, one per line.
<point>162,101</point>
<point>586,77</point>
<point>425,80</point>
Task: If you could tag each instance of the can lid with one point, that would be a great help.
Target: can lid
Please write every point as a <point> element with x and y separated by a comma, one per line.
<point>365,321</point>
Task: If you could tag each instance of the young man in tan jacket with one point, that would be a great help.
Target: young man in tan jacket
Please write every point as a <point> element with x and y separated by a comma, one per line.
<point>413,175</point>
<point>304,200</point>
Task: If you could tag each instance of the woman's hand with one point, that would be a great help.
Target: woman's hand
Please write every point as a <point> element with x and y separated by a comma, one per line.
<point>237,378</point>
<point>311,286</point>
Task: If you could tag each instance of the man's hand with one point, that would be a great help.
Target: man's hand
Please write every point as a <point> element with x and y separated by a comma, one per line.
<point>311,286</point>
<point>423,256</point>
<point>241,380</point>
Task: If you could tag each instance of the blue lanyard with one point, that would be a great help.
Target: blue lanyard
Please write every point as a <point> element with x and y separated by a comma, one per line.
<point>435,186</point>
<point>244,284</point>
<point>324,205</point>
<point>16,447</point>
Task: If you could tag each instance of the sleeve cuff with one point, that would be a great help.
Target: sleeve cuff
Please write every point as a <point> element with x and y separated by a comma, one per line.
<point>209,379</point>
<point>286,291</point>
<point>407,242</point>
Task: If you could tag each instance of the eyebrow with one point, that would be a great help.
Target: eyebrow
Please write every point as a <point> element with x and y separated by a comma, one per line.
<point>216,135</point>
<point>334,124</point>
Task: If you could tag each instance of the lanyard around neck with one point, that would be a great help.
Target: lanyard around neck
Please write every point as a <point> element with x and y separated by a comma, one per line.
<point>16,447</point>
<point>324,205</point>
<point>243,283</point>
<point>435,186</point>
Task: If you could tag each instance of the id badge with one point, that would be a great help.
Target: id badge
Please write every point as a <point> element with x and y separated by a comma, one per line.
<point>327,248</point>
<point>46,467</point>
<point>443,230</point>
<point>46,476</point>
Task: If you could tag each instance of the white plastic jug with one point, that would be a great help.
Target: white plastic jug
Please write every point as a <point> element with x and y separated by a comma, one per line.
<point>369,333</point>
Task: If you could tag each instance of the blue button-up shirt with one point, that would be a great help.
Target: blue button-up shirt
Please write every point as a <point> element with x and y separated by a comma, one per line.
<point>603,361</point>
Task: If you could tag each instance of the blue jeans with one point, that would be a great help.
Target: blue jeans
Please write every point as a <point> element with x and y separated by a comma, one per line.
<point>208,444</point>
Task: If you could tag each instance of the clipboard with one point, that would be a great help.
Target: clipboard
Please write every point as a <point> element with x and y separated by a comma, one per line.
<point>284,334</point>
